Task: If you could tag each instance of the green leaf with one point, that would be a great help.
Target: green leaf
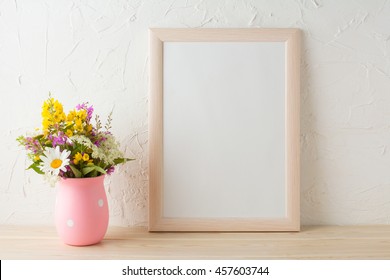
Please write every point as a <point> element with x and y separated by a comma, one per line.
<point>35,167</point>
<point>68,126</point>
<point>39,137</point>
<point>122,160</point>
<point>94,173</point>
<point>75,171</point>
<point>89,169</point>
<point>99,169</point>
<point>118,161</point>
<point>22,140</point>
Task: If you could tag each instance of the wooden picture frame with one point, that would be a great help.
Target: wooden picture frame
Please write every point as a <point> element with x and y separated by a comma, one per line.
<point>178,60</point>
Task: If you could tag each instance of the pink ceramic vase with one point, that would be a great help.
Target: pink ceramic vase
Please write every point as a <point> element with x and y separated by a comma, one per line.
<point>81,210</point>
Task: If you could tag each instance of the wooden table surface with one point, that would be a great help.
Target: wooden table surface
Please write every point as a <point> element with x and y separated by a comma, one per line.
<point>313,242</point>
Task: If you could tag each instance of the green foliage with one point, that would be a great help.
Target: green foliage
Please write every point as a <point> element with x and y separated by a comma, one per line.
<point>35,167</point>
<point>88,169</point>
<point>75,171</point>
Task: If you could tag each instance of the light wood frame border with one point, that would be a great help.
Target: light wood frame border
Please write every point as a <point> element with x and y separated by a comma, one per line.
<point>157,38</point>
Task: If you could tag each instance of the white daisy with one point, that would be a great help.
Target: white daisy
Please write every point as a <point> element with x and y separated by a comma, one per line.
<point>54,160</point>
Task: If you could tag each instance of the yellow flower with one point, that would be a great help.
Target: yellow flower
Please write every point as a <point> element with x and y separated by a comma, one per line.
<point>57,117</point>
<point>47,104</point>
<point>81,115</point>
<point>89,128</point>
<point>52,112</point>
<point>85,157</point>
<point>45,113</point>
<point>69,133</point>
<point>71,116</point>
<point>37,157</point>
<point>58,107</point>
<point>77,157</point>
<point>46,124</point>
<point>79,123</point>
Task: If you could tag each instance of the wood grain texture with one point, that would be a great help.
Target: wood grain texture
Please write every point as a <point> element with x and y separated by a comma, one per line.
<point>155,129</point>
<point>293,127</point>
<point>313,242</point>
<point>291,36</point>
<point>223,34</point>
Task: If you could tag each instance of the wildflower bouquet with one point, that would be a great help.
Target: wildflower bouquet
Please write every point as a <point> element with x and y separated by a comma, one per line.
<point>69,146</point>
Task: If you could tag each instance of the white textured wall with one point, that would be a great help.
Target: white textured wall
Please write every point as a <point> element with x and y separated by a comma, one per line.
<point>97,51</point>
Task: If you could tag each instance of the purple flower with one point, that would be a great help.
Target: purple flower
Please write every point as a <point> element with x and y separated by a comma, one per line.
<point>81,106</point>
<point>99,141</point>
<point>89,113</point>
<point>60,139</point>
<point>110,170</point>
<point>84,106</point>
<point>32,145</point>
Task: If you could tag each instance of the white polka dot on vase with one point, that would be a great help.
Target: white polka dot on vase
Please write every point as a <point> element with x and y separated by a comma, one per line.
<point>70,223</point>
<point>100,202</point>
